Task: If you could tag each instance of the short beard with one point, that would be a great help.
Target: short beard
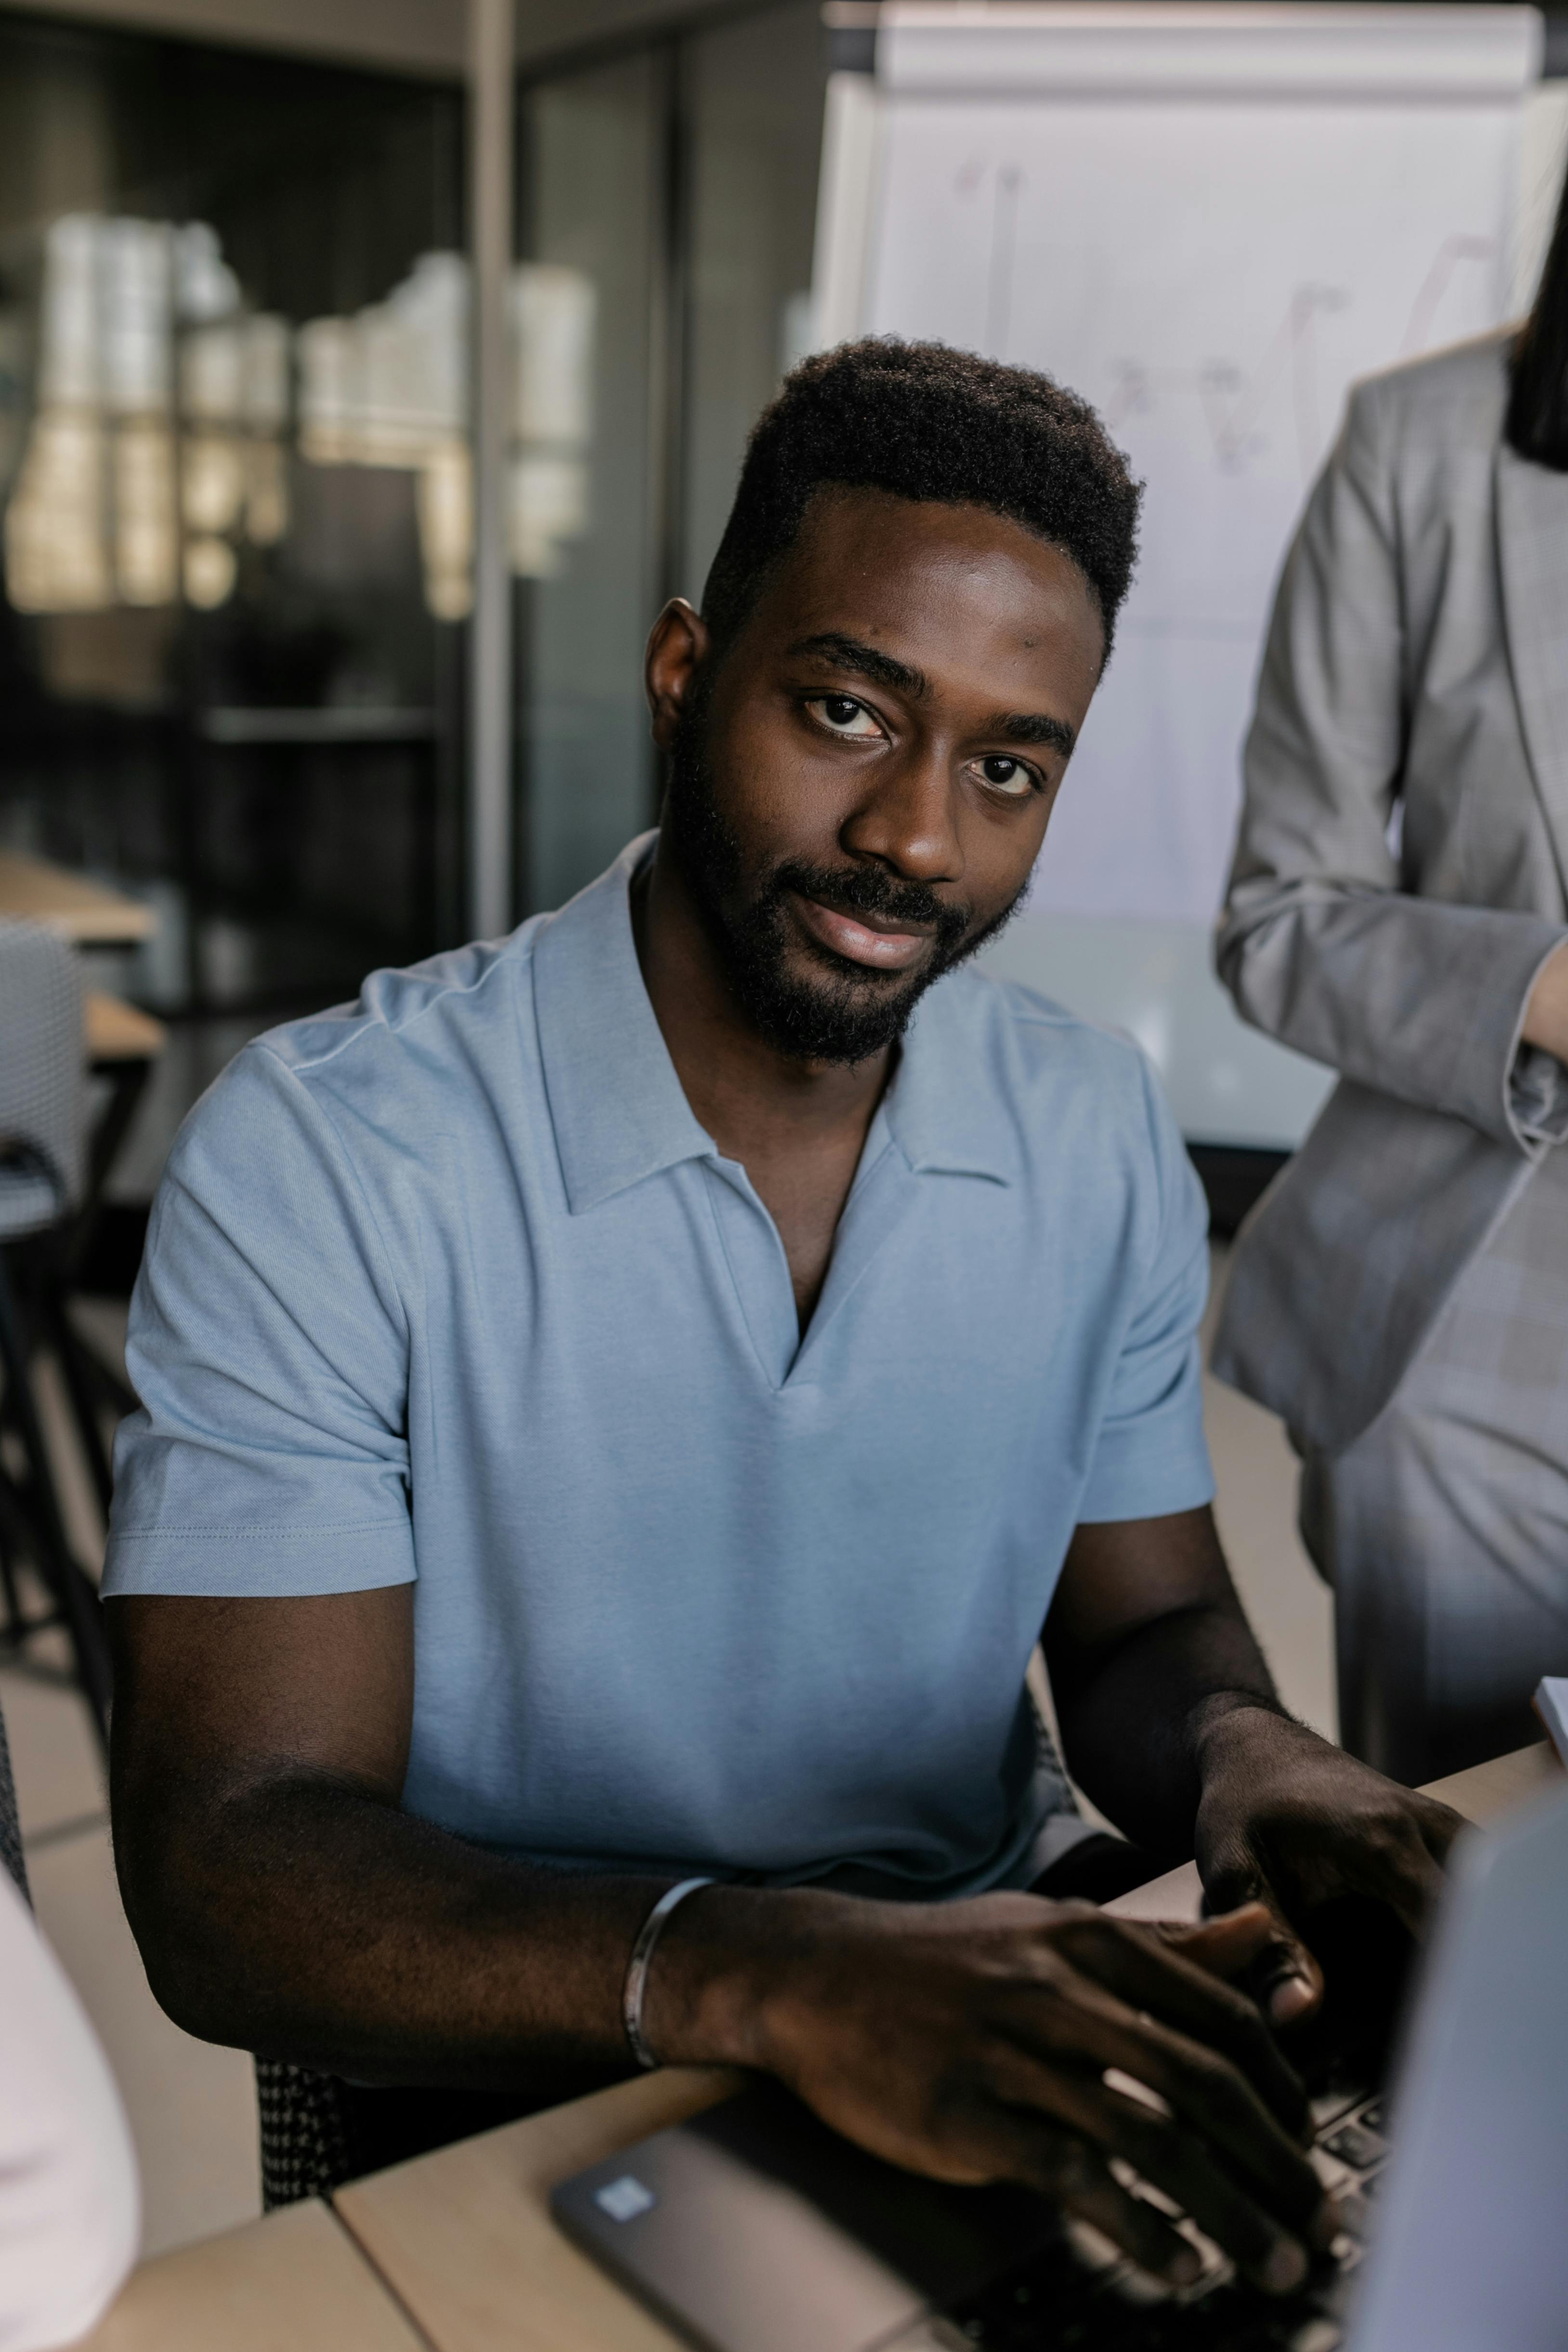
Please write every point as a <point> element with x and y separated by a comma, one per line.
<point>852,1012</point>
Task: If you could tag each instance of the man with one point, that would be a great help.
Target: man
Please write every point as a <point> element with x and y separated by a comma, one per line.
<point>622,1403</point>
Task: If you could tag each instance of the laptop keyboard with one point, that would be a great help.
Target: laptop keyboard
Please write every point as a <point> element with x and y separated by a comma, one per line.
<point>1077,2294</point>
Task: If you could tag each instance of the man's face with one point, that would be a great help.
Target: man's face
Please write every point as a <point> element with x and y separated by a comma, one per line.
<point>860,786</point>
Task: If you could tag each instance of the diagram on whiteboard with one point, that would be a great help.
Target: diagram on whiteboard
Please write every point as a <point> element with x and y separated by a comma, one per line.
<point>1234,398</point>
<point>1213,276</point>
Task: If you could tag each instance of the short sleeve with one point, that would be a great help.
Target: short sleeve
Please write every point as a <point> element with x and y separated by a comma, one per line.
<point>1150,1457</point>
<point>269,1349</point>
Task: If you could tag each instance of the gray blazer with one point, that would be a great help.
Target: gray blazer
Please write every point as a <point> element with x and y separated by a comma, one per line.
<point>1399,881</point>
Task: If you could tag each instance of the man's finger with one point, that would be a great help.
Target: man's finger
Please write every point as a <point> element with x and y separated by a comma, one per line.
<point>1405,1875</point>
<point>1172,2160</point>
<point>1269,2245</point>
<point>1063,2167</point>
<point>1133,2225</point>
<point>1222,1947</point>
<point>1165,1973</point>
<point>1080,2039</point>
<point>1284,1977</point>
<point>1289,1981</point>
<point>1281,1973</point>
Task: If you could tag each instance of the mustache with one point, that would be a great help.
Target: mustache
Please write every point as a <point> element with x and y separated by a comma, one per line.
<point>867,890</point>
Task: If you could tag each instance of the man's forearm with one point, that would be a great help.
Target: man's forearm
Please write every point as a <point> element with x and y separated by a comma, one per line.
<point>305,1919</point>
<point>1135,1728</point>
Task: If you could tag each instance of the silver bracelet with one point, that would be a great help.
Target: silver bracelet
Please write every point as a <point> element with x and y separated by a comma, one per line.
<point>637,1966</point>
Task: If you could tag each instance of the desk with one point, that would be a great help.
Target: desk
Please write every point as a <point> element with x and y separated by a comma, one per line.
<point>115,1032</point>
<point>292,2283</point>
<point>33,891</point>
<point>465,2236</point>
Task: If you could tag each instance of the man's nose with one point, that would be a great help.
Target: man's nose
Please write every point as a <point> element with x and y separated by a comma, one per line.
<point>907,820</point>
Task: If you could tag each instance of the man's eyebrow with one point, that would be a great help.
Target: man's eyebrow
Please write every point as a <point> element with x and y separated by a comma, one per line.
<point>1032,727</point>
<point>885,669</point>
<point>865,661</point>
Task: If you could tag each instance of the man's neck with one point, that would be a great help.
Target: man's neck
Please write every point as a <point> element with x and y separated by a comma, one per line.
<point>757,1104</point>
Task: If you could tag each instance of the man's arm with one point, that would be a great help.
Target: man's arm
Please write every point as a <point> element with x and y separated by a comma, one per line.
<point>1172,1725</point>
<point>1322,944</point>
<point>284,1901</point>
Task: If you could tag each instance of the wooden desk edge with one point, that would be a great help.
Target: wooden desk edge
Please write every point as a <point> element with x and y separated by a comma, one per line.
<point>33,890</point>
<point>467,2241</point>
<point>118,1032</point>
<point>295,2281</point>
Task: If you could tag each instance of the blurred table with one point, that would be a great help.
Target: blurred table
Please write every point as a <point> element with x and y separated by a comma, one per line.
<point>464,2237</point>
<point>117,1032</point>
<point>34,891</point>
<point>292,2283</point>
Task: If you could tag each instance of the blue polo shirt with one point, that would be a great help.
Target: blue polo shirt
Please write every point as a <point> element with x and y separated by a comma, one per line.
<point>451,1287</point>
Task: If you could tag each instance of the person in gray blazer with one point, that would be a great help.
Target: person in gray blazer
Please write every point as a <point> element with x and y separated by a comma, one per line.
<point>1397,909</point>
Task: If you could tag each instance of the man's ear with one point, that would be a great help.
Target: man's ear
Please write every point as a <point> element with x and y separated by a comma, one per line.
<point>677,647</point>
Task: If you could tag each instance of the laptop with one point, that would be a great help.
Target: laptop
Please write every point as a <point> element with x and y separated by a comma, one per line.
<point>753,2227</point>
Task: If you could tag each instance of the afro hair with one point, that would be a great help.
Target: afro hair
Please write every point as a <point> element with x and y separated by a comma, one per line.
<point>925,422</point>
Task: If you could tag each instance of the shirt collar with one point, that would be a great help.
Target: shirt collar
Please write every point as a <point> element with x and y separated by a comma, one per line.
<point>618,1108</point>
<point>949,1105</point>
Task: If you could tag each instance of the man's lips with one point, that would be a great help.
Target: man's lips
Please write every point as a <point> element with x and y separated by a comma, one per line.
<point>871,940</point>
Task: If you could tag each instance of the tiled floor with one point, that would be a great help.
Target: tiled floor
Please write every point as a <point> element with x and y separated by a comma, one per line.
<point>193,2107</point>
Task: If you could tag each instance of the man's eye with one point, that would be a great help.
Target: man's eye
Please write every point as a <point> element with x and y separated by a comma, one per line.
<point>1008,776</point>
<point>844,715</point>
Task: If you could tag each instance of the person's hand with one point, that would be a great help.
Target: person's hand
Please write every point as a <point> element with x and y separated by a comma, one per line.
<point>1292,1821</point>
<point>1546,1013</point>
<point>976,2042</point>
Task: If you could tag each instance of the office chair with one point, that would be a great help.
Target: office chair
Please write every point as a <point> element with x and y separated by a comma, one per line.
<point>43,1126</point>
<point>305,2148</point>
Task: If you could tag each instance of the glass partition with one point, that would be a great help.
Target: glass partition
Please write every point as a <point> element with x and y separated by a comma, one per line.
<point>583,522</point>
<point>236,494</point>
<point>755,116</point>
<point>667,209</point>
<point>233,469</point>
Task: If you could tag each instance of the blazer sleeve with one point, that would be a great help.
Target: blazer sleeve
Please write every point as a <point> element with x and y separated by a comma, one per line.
<point>1319,944</point>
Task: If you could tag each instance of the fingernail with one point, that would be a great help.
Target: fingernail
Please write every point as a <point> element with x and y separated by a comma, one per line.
<point>1184,2269</point>
<point>1289,1998</point>
<point>1286,2267</point>
<point>1325,2229</point>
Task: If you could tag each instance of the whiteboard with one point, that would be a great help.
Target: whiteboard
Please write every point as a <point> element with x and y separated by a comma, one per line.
<point>1209,221</point>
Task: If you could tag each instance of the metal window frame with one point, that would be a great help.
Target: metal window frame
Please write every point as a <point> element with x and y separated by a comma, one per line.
<point>492,717</point>
<point>498,684</point>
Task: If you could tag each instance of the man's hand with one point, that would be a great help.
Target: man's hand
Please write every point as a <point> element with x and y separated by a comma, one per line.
<point>973,2041</point>
<point>1171,1723</point>
<point>1286,1819</point>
